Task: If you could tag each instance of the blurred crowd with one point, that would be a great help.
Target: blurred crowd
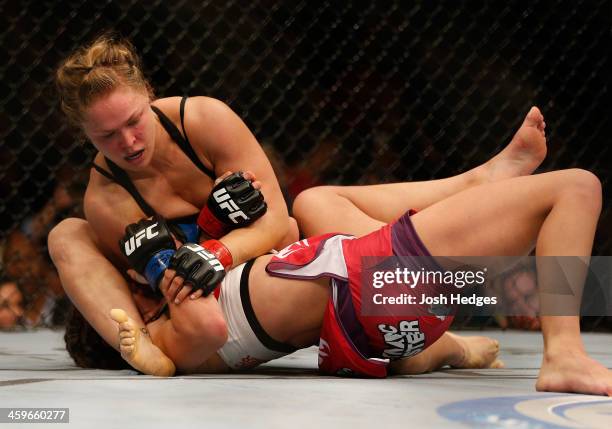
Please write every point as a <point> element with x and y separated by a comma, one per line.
<point>31,294</point>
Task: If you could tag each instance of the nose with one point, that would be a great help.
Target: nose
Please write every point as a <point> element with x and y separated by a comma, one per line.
<point>128,138</point>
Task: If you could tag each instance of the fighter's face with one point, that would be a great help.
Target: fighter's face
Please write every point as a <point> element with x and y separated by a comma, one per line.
<point>122,126</point>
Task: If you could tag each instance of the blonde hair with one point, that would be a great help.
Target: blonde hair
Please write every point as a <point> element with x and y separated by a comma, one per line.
<point>97,69</point>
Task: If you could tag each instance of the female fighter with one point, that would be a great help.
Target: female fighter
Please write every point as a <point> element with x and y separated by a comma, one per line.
<point>156,157</point>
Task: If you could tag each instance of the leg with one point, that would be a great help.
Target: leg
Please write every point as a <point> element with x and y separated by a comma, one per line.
<point>92,283</point>
<point>557,212</point>
<point>452,350</point>
<point>188,337</point>
<point>366,208</point>
<point>137,348</point>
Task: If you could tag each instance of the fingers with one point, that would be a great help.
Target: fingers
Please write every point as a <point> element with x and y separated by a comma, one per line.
<point>250,176</point>
<point>183,293</point>
<point>198,293</point>
<point>223,176</point>
<point>175,289</point>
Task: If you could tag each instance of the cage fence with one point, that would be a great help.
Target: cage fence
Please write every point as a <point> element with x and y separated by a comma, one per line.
<point>349,92</point>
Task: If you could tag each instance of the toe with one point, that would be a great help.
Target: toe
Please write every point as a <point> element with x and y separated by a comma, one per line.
<point>118,315</point>
<point>497,363</point>
<point>127,341</point>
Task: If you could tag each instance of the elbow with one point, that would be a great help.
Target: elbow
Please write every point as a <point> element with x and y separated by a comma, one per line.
<point>218,332</point>
<point>283,231</point>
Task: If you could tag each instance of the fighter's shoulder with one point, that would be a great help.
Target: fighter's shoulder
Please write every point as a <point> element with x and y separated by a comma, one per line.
<point>198,108</point>
<point>100,183</point>
<point>170,107</point>
<point>103,195</point>
<point>100,200</point>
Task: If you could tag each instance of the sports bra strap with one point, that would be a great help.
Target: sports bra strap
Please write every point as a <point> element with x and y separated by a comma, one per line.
<point>103,172</point>
<point>183,143</point>
<point>124,180</point>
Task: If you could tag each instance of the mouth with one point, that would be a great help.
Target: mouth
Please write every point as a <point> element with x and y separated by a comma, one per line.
<point>136,155</point>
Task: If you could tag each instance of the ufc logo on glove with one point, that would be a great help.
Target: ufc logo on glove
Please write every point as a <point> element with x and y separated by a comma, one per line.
<point>136,240</point>
<point>204,254</point>
<point>225,202</point>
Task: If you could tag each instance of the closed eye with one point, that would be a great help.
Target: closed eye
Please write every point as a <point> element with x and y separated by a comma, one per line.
<point>135,120</point>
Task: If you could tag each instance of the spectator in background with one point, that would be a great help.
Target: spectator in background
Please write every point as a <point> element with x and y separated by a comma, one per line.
<point>11,304</point>
<point>26,261</point>
<point>519,290</point>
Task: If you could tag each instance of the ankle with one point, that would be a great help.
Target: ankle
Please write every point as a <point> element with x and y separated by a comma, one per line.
<point>478,175</point>
<point>459,352</point>
<point>561,351</point>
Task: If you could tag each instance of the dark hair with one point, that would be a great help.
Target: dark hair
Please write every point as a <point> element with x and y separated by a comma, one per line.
<point>86,346</point>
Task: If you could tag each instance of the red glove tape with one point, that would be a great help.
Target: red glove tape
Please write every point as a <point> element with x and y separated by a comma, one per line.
<point>210,224</point>
<point>221,252</point>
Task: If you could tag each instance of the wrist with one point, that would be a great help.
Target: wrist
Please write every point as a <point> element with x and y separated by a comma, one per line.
<point>221,252</point>
<point>210,224</point>
<point>154,270</point>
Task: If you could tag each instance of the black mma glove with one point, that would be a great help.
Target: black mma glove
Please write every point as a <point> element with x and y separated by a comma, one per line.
<point>148,246</point>
<point>233,203</point>
<point>198,267</point>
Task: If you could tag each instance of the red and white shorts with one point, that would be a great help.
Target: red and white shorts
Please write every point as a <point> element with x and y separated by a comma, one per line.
<point>353,343</point>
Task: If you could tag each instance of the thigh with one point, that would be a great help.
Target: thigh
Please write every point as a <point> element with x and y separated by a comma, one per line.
<point>359,210</point>
<point>387,202</point>
<point>323,209</point>
<point>91,281</point>
<point>495,219</point>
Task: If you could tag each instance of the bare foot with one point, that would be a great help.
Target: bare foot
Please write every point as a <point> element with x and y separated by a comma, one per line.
<point>138,350</point>
<point>476,352</point>
<point>574,372</point>
<point>453,350</point>
<point>523,154</point>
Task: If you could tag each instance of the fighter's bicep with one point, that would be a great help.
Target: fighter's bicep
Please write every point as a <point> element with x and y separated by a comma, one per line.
<point>219,134</point>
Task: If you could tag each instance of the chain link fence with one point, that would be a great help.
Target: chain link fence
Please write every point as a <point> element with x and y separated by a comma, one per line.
<point>346,92</point>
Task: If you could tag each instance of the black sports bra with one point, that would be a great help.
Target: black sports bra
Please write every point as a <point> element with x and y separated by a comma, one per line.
<point>118,175</point>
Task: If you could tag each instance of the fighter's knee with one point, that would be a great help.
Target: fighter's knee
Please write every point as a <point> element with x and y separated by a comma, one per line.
<point>584,185</point>
<point>310,200</point>
<point>63,235</point>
